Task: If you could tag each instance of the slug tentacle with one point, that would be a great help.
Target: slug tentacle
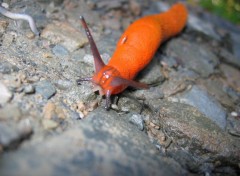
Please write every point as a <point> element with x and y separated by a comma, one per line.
<point>98,62</point>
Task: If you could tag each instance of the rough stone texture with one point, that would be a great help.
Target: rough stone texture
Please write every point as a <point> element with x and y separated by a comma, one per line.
<point>206,104</point>
<point>196,134</point>
<point>102,143</point>
<point>5,94</point>
<point>40,128</point>
<point>63,33</point>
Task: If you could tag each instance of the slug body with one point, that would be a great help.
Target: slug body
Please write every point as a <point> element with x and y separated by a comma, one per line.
<point>135,49</point>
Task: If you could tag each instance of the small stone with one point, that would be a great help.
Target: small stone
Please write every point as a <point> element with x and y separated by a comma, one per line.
<point>29,89</point>
<point>3,26</point>
<point>49,124</point>
<point>49,110</point>
<point>7,68</point>
<point>5,94</point>
<point>65,34</point>
<point>60,51</point>
<point>137,120</point>
<point>45,88</point>
<point>63,84</point>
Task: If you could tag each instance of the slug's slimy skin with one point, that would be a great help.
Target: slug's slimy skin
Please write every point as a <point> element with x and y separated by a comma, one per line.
<point>134,50</point>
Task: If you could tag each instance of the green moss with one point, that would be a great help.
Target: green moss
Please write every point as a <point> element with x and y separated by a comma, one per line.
<point>228,9</point>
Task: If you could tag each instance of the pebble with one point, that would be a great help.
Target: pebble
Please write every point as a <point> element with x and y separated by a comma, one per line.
<point>52,111</point>
<point>7,68</point>
<point>63,84</point>
<point>49,124</point>
<point>206,104</point>
<point>5,94</point>
<point>29,89</point>
<point>137,120</point>
<point>65,34</point>
<point>60,51</point>
<point>3,26</point>
<point>45,88</point>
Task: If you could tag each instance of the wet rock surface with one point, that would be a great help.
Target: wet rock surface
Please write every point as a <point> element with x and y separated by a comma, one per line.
<point>187,123</point>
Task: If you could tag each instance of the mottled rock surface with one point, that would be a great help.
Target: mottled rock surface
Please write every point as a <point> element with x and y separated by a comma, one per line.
<point>186,123</point>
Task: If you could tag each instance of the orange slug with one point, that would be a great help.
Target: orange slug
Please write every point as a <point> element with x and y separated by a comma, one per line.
<point>134,50</point>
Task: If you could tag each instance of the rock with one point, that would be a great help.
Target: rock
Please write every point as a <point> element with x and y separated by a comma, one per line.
<point>137,120</point>
<point>7,68</point>
<point>192,132</point>
<point>66,35</point>
<point>49,124</point>
<point>232,74</point>
<point>10,112</point>
<point>206,104</point>
<point>151,74</point>
<point>103,140</point>
<point>3,26</point>
<point>60,51</point>
<point>5,94</point>
<point>45,88</point>
<point>229,58</point>
<point>29,89</point>
<point>113,23</point>
<point>204,27</point>
<point>53,111</point>
<point>12,135</point>
<point>194,57</point>
<point>236,44</point>
<point>63,84</point>
<point>216,88</point>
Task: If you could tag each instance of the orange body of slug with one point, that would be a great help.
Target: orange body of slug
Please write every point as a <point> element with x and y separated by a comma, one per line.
<point>136,47</point>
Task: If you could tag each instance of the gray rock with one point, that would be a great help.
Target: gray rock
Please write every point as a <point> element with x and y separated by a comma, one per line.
<point>152,73</point>
<point>103,144</point>
<point>60,51</point>
<point>195,137</point>
<point>236,44</point>
<point>29,89</point>
<point>11,135</point>
<point>206,104</point>
<point>45,88</point>
<point>137,120</point>
<point>194,57</point>
<point>7,68</point>
<point>204,27</point>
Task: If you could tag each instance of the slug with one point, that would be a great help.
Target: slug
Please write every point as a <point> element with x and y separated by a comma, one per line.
<point>135,49</point>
